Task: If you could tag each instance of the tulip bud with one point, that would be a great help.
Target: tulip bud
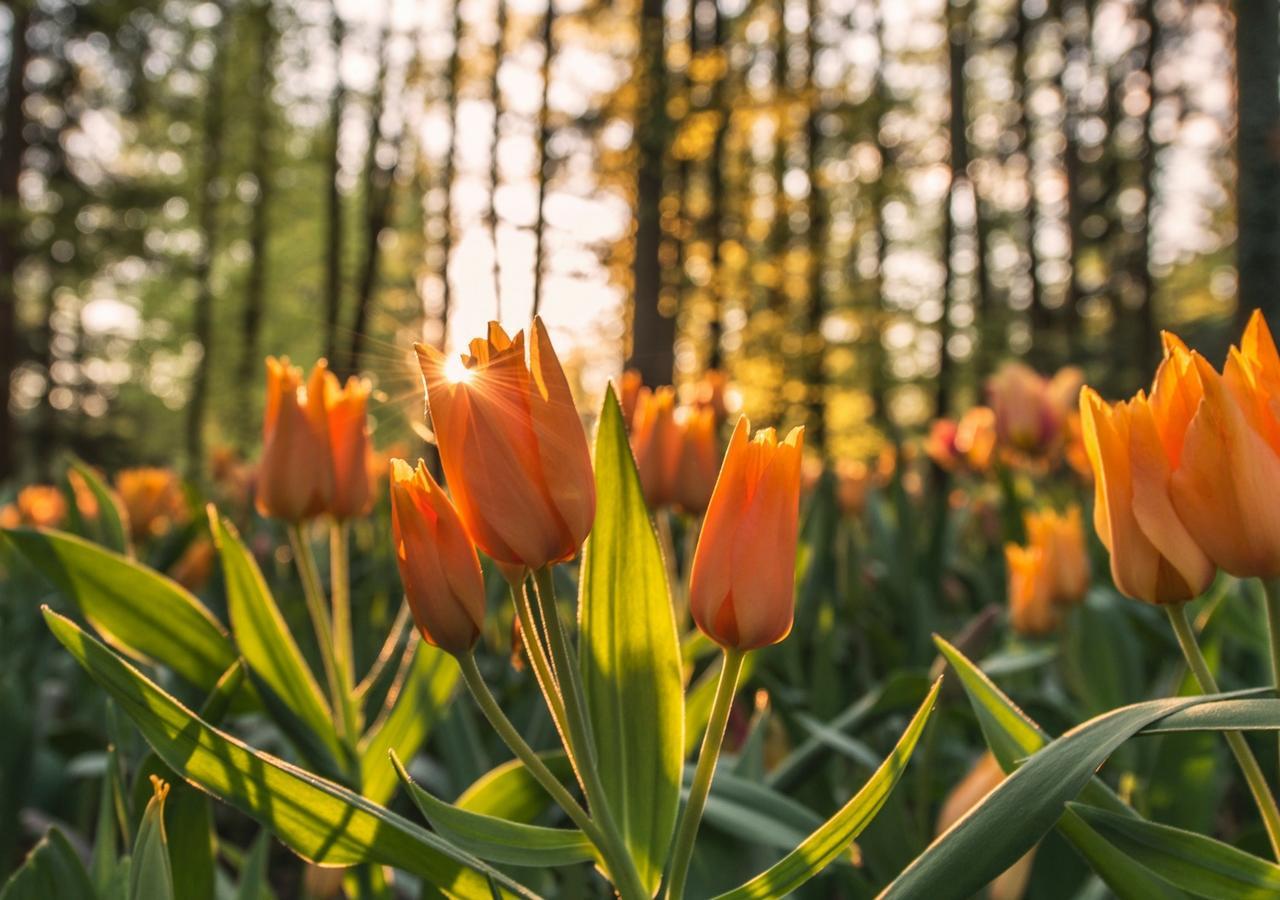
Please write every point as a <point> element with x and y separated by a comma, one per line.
<point>1060,537</point>
<point>698,459</point>
<point>741,589</point>
<point>438,563</point>
<point>349,447</point>
<point>512,446</point>
<point>655,441</point>
<point>628,393</point>
<point>294,477</point>
<point>1031,609</point>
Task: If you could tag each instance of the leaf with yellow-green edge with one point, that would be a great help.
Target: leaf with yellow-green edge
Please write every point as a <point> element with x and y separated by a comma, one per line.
<point>138,611</point>
<point>319,820</point>
<point>630,656</point>
<point>419,699</point>
<point>822,847</point>
<point>495,839</point>
<point>111,525</point>
<point>150,876</point>
<point>264,639</point>
<point>509,792</point>
<point>51,869</point>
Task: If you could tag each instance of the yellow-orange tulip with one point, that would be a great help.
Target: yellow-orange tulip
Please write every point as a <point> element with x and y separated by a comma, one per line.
<point>1060,536</point>
<point>741,589</point>
<point>513,448</point>
<point>975,438</point>
<point>294,476</point>
<point>628,393</point>
<point>152,499</point>
<point>38,505</point>
<point>1153,556</point>
<point>350,452</point>
<point>438,563</point>
<point>711,392</point>
<point>1031,584</point>
<point>698,460</point>
<point>195,565</point>
<point>655,441</point>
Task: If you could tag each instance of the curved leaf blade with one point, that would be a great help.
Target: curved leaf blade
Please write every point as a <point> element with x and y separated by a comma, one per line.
<point>509,792</point>
<point>51,869</point>
<point>111,525</point>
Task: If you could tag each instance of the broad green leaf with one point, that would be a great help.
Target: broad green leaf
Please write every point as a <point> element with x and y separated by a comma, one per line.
<point>111,525</point>
<point>321,821</point>
<point>631,666</point>
<point>1118,874</point>
<point>498,840</point>
<point>51,869</point>
<point>105,861</point>
<point>192,850</point>
<point>264,638</point>
<point>1246,714</point>
<point>509,792</point>
<point>418,701</point>
<point>137,610</point>
<point>1198,864</point>
<point>822,847</point>
<point>253,872</point>
<point>150,876</point>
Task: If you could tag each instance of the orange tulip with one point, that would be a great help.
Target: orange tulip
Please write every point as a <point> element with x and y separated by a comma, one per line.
<point>698,460</point>
<point>37,505</point>
<point>438,563</point>
<point>975,438</point>
<point>1227,431</point>
<point>711,393</point>
<point>294,476</point>
<point>1153,556</point>
<point>1060,536</point>
<point>512,446</point>
<point>195,565</point>
<point>1031,585</point>
<point>741,589</point>
<point>655,441</point>
<point>350,451</point>
<point>152,499</point>
<point>628,393</point>
<point>853,481</point>
<point>1030,410</point>
<point>985,776</point>
<point>940,445</point>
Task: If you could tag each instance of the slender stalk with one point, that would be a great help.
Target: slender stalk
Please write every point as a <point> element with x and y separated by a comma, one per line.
<point>1271,595</point>
<point>319,613</point>
<point>340,601</point>
<point>1235,740</point>
<point>388,650</point>
<point>537,655</point>
<point>682,853</point>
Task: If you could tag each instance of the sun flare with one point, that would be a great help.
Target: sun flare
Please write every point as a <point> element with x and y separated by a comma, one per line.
<point>455,369</point>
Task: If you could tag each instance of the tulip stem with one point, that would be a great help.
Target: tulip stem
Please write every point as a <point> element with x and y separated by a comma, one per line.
<point>537,655</point>
<point>712,740</point>
<point>1249,767</point>
<point>616,859</point>
<point>316,609</point>
<point>340,589</point>
<point>1271,595</point>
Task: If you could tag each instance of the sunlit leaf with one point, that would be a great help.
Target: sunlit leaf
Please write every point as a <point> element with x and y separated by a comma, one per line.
<point>51,869</point>
<point>509,792</point>
<point>111,524</point>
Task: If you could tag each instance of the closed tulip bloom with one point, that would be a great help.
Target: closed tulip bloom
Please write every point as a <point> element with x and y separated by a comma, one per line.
<point>628,392</point>
<point>975,438</point>
<point>698,459</point>
<point>711,392</point>
<point>152,499</point>
<point>1017,396</point>
<point>741,589</point>
<point>438,563</point>
<point>1060,536</point>
<point>294,477</point>
<point>349,447</point>
<point>1031,609</point>
<point>512,446</point>
<point>655,441</point>
<point>1153,556</point>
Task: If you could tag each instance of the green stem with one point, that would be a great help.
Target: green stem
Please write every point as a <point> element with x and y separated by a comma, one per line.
<point>581,744</point>
<point>1271,595</point>
<point>1262,796</point>
<point>712,739</point>
<point>340,600</point>
<point>538,661</point>
<point>319,613</point>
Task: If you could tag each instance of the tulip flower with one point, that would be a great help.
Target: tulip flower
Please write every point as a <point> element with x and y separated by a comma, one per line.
<point>349,449</point>
<point>711,392</point>
<point>655,441</point>
<point>975,438</point>
<point>1030,410</point>
<point>985,776</point>
<point>438,563</point>
<point>628,393</point>
<point>1153,556</point>
<point>741,588</point>
<point>294,476</point>
<point>1060,537</point>
<point>37,505</point>
<point>853,481</point>
<point>697,461</point>
<point>152,499</point>
<point>1031,585</point>
<point>513,448</point>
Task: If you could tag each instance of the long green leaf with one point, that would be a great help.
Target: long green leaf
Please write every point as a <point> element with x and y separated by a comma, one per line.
<point>1198,864</point>
<point>1228,715</point>
<point>630,652</point>
<point>509,792</point>
<point>321,821</point>
<point>823,846</point>
<point>498,840</point>
<point>264,638</point>
<point>253,872</point>
<point>420,700</point>
<point>138,611</point>
<point>51,869</point>
<point>150,876</point>
<point>114,534</point>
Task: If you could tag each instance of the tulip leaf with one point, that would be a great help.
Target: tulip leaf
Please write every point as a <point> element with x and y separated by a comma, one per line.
<point>264,639</point>
<point>253,872</point>
<point>630,653</point>
<point>1197,864</point>
<point>509,792</point>
<point>751,812</point>
<point>138,611</point>
<point>150,875</point>
<point>495,839</point>
<point>51,869</point>
<point>111,525</point>
<point>421,696</point>
<point>1245,714</point>
<point>821,848</point>
<point>319,820</point>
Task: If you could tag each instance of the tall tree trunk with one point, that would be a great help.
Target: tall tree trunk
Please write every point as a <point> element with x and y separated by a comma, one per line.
<point>452,77</point>
<point>211,169</point>
<point>1076,37</point>
<point>379,180</point>
<point>1148,317</point>
<point>495,97</point>
<point>957,47</point>
<point>1039,315</point>
<point>816,374</point>
<point>1258,150</point>
<point>544,139</point>
<point>261,169</point>
<point>333,235</point>
<point>653,328</point>
<point>13,145</point>
<point>878,382</point>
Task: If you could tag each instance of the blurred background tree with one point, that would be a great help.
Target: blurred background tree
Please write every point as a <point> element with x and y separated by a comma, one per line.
<point>856,207</point>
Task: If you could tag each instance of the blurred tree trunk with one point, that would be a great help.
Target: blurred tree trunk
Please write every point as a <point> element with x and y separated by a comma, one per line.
<point>13,145</point>
<point>1077,38</point>
<point>1040,319</point>
<point>957,46</point>
<point>495,97</point>
<point>1148,314</point>
<point>1258,150</point>
<point>716,187</point>
<point>452,76</point>
<point>816,374</point>
<point>210,172</point>
<point>653,327</point>
<point>261,169</point>
<point>879,380</point>
<point>380,189</point>
<point>333,239</point>
<point>544,139</point>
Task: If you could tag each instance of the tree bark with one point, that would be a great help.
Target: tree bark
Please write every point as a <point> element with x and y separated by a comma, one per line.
<point>495,97</point>
<point>1038,313</point>
<point>816,376</point>
<point>452,77</point>
<point>544,139</point>
<point>13,145</point>
<point>1148,317</point>
<point>333,237</point>
<point>716,190</point>
<point>957,46</point>
<point>1258,158</point>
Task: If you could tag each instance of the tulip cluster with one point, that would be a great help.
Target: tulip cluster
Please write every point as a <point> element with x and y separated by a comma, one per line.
<point>676,450</point>
<point>1049,573</point>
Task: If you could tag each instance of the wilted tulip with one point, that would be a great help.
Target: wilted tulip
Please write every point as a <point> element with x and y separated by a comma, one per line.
<point>741,588</point>
<point>1153,556</point>
<point>438,563</point>
<point>37,505</point>
<point>1060,536</point>
<point>512,446</point>
<point>295,476</point>
<point>1031,585</point>
<point>350,452</point>
<point>152,499</point>
<point>655,441</point>
<point>698,459</point>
